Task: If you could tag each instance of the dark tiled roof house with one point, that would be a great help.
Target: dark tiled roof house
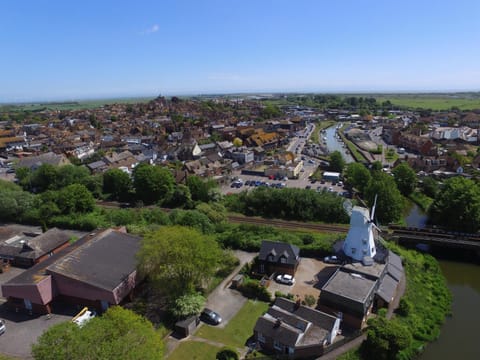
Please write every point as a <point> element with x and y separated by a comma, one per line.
<point>278,257</point>
<point>296,330</point>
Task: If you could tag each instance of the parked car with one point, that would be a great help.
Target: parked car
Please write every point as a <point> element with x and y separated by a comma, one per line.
<point>210,317</point>
<point>2,326</point>
<point>331,259</point>
<point>285,279</point>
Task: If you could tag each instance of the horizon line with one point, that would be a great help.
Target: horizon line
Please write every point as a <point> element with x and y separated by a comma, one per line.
<point>236,93</point>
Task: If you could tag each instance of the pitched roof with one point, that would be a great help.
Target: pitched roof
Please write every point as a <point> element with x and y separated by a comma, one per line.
<point>35,247</point>
<point>387,288</point>
<point>278,250</point>
<point>103,262</point>
<point>294,325</point>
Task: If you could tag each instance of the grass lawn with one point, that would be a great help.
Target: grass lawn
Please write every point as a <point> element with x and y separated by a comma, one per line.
<point>239,329</point>
<point>433,101</point>
<point>194,350</point>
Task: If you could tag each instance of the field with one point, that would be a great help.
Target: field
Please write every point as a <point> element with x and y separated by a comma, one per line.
<point>70,105</point>
<point>463,101</point>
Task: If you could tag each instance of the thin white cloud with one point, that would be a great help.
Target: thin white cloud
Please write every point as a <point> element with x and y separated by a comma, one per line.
<point>153,29</point>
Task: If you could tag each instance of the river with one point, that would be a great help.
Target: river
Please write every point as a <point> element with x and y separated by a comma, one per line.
<point>458,338</point>
<point>335,144</point>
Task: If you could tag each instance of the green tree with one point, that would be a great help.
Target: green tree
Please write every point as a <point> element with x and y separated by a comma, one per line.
<point>181,197</point>
<point>152,183</point>
<point>389,200</point>
<point>70,174</point>
<point>200,189</point>
<point>337,162</point>
<point>117,334</point>
<point>75,198</point>
<point>44,178</point>
<point>457,205</point>
<point>117,183</point>
<point>187,305</point>
<point>405,178</point>
<point>358,176</point>
<point>178,259</point>
<point>386,339</point>
<point>430,186</point>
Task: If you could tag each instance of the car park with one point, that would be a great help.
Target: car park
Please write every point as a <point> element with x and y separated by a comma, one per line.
<point>285,279</point>
<point>210,317</point>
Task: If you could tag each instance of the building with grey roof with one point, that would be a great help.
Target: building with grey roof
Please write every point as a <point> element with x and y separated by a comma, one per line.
<point>278,257</point>
<point>290,328</point>
<point>26,250</point>
<point>354,289</point>
<point>98,270</point>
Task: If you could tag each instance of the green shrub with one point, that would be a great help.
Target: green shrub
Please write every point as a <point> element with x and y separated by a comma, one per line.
<point>253,290</point>
<point>227,353</point>
<point>288,296</point>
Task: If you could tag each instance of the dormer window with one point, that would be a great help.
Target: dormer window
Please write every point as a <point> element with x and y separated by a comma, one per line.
<point>283,260</point>
<point>271,258</point>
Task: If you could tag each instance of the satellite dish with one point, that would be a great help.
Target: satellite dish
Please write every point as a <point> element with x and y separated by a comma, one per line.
<point>347,206</point>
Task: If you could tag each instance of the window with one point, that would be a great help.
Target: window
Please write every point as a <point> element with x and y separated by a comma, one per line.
<point>283,260</point>
<point>364,241</point>
<point>373,249</point>
<point>270,257</point>
<point>277,345</point>
<point>354,250</point>
<point>260,337</point>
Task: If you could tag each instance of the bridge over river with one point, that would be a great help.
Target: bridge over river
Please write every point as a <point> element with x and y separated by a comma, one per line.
<point>436,237</point>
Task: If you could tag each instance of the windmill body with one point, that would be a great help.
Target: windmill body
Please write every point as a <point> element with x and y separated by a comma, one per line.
<point>360,242</point>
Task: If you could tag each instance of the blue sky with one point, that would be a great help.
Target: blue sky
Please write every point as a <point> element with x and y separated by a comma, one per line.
<point>51,49</point>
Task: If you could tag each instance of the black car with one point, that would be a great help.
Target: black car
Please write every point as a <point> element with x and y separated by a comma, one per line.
<point>210,317</point>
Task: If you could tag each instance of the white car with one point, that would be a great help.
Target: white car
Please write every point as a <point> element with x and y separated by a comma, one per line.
<point>285,279</point>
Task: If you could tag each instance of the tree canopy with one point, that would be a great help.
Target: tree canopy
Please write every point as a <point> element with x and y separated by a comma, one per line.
<point>358,176</point>
<point>117,183</point>
<point>337,162</point>
<point>152,183</point>
<point>405,178</point>
<point>457,205</point>
<point>389,200</point>
<point>178,259</point>
<point>117,334</point>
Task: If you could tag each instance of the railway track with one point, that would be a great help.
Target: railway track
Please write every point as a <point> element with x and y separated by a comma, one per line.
<point>291,225</point>
<point>284,224</point>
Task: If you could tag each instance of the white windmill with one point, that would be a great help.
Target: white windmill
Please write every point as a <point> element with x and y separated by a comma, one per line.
<point>360,241</point>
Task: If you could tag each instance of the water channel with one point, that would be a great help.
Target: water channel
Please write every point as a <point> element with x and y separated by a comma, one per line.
<point>458,338</point>
<point>335,144</point>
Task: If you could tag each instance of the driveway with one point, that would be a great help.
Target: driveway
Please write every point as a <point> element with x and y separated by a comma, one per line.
<point>225,301</point>
<point>23,330</point>
<point>311,275</point>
